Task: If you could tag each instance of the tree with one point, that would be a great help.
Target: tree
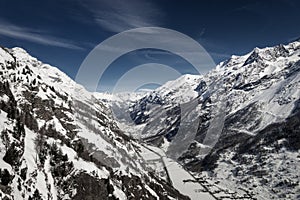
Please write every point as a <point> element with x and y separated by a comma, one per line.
<point>5,177</point>
<point>53,148</point>
<point>5,139</point>
<point>40,143</point>
<point>37,195</point>
<point>12,155</point>
<point>19,130</point>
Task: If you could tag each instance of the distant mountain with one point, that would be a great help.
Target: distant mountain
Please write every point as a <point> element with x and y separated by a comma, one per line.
<point>57,141</point>
<point>257,151</point>
<point>235,129</point>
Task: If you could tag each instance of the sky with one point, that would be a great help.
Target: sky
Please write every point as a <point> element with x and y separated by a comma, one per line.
<point>63,32</point>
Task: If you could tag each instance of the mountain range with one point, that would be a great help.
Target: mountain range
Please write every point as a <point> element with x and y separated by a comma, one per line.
<point>234,131</point>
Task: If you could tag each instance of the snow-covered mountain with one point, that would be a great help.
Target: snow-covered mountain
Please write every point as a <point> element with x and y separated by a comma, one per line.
<point>235,129</point>
<point>255,97</point>
<point>60,142</point>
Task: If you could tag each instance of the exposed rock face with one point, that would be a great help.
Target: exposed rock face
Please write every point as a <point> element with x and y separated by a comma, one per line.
<point>59,142</point>
<point>259,94</point>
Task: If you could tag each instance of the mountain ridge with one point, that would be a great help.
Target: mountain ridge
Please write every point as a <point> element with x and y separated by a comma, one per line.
<point>59,142</point>
<point>260,90</point>
<point>52,127</point>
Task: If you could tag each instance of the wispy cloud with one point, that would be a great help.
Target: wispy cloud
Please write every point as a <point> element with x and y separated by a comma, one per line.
<point>120,15</point>
<point>18,32</point>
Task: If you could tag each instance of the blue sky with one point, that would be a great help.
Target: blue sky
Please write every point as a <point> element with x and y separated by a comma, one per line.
<point>63,32</point>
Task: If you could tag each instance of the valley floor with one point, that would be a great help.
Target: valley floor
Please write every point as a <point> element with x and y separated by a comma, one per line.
<point>179,177</point>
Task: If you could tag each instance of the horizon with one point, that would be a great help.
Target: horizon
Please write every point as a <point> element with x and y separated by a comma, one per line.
<point>63,33</point>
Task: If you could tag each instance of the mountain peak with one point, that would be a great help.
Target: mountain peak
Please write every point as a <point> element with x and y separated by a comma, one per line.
<point>19,49</point>
<point>258,93</point>
<point>22,55</point>
<point>57,130</point>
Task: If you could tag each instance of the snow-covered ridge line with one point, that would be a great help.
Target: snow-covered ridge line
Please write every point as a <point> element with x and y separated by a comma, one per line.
<point>262,100</point>
<point>59,142</point>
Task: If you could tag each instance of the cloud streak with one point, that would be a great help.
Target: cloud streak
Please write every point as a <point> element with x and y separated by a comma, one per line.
<point>18,32</point>
<point>120,15</point>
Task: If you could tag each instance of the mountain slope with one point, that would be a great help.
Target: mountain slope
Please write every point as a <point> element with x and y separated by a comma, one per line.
<point>257,98</point>
<point>59,142</point>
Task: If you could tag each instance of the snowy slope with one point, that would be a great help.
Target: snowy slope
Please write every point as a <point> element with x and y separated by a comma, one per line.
<point>179,177</point>
<point>59,142</point>
<point>254,92</point>
<point>266,77</point>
